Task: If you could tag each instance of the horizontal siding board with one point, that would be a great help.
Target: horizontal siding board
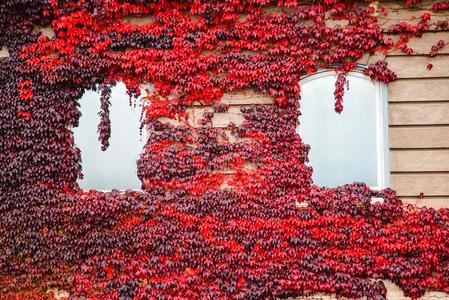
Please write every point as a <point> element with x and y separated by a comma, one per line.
<point>397,12</point>
<point>423,45</point>
<point>434,202</point>
<point>436,184</point>
<point>431,89</point>
<point>416,66</point>
<point>419,160</point>
<point>419,113</point>
<point>419,137</point>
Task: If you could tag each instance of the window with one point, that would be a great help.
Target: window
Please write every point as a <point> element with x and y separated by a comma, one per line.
<point>347,147</point>
<point>115,168</point>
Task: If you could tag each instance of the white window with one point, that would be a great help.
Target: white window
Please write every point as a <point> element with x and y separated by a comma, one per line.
<point>347,147</point>
<point>115,168</point>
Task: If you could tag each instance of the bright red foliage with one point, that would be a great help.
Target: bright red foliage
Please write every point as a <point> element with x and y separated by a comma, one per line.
<point>184,235</point>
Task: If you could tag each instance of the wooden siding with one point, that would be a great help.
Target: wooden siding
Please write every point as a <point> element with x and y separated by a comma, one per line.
<point>419,90</point>
<point>429,183</point>
<point>418,110</point>
<point>397,12</point>
<point>416,66</point>
<point>419,137</point>
<point>423,44</point>
<point>420,160</point>
<point>418,113</point>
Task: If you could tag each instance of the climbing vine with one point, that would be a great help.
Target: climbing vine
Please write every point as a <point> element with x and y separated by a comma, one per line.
<point>224,212</point>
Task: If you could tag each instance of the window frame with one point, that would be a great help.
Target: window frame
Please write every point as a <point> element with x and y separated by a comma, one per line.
<point>382,126</point>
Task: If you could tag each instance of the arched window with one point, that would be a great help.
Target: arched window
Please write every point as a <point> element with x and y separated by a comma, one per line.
<point>116,167</point>
<point>351,146</point>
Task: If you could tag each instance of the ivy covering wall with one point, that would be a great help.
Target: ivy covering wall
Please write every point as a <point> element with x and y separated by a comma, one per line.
<point>193,232</point>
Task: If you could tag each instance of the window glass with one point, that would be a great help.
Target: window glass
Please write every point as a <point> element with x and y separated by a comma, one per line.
<point>116,167</point>
<point>346,147</point>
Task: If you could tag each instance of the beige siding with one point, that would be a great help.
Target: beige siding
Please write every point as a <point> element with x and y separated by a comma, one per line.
<point>419,137</point>
<point>412,184</point>
<point>397,12</point>
<point>419,113</point>
<point>416,66</point>
<point>429,89</point>
<point>419,134</point>
<point>424,44</point>
<point>420,160</point>
<point>418,109</point>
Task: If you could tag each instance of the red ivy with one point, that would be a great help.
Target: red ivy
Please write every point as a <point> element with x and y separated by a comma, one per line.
<point>225,212</point>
